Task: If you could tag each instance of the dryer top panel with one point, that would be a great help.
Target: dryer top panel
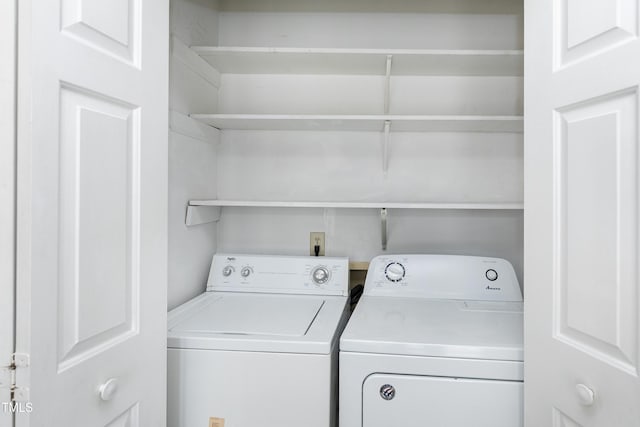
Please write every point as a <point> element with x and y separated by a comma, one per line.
<point>443,277</point>
<point>488,330</point>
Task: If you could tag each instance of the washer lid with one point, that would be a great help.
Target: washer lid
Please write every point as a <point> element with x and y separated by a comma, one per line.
<point>252,314</point>
<point>439,328</point>
<point>243,321</point>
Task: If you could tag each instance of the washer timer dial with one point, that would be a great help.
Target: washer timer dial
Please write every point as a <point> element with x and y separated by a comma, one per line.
<point>320,275</point>
<point>228,270</point>
<point>246,272</point>
<point>394,271</point>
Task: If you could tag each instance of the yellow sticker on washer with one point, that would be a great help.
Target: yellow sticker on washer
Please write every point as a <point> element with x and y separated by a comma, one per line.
<point>216,422</point>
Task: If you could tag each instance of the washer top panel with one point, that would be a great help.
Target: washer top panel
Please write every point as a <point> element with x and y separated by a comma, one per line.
<point>240,321</point>
<point>253,314</point>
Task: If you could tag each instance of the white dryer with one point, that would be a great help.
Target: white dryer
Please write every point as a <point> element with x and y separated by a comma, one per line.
<point>435,340</point>
<point>259,348</point>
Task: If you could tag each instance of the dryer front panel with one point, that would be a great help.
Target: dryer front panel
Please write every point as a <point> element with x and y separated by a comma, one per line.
<point>425,401</point>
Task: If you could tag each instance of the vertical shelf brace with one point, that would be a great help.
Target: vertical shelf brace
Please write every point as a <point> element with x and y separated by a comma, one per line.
<point>385,147</point>
<point>387,84</point>
<point>387,123</point>
<point>383,226</point>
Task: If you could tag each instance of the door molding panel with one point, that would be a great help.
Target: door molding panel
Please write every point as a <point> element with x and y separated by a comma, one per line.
<point>99,224</point>
<point>560,419</point>
<point>596,218</point>
<point>85,20</point>
<point>129,418</point>
<point>583,29</point>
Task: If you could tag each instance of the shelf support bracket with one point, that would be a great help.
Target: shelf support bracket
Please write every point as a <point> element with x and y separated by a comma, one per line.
<point>201,215</point>
<point>385,147</point>
<point>387,84</point>
<point>383,226</point>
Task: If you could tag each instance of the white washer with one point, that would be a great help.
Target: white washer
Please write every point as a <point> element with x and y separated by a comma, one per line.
<point>435,340</point>
<point>259,348</point>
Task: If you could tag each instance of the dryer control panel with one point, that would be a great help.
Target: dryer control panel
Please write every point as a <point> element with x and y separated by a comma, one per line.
<point>279,274</point>
<point>443,277</point>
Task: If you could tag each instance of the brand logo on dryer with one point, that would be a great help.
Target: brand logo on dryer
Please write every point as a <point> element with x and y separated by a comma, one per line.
<point>490,288</point>
<point>387,392</point>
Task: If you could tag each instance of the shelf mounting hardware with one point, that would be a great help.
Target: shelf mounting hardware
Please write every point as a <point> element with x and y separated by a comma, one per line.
<point>383,226</point>
<point>201,214</point>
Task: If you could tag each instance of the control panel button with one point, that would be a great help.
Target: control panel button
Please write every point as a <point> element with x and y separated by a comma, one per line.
<point>320,275</point>
<point>394,272</point>
<point>246,272</point>
<point>227,271</point>
<point>491,274</point>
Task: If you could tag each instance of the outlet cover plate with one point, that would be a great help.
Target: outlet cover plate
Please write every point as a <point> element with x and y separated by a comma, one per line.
<point>316,238</point>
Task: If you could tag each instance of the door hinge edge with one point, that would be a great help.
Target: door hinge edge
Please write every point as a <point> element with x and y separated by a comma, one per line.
<point>18,393</point>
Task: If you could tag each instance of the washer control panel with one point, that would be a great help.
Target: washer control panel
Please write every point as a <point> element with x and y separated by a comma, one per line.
<point>279,274</point>
<point>443,277</point>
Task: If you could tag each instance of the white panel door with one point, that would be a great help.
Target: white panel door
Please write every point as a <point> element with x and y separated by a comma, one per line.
<point>92,208</point>
<point>582,195</point>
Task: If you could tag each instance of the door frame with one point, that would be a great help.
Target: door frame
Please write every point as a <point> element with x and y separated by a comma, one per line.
<point>7,178</point>
<point>8,80</point>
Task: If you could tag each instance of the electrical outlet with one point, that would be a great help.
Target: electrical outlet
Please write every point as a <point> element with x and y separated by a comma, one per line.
<point>316,238</point>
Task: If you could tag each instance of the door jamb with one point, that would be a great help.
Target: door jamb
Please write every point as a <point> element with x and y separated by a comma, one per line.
<point>8,169</point>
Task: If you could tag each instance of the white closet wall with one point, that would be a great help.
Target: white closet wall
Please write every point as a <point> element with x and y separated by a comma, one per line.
<point>356,232</point>
<point>192,147</point>
<point>454,105</point>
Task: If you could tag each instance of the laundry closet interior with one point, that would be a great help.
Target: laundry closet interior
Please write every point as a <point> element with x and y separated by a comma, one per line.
<point>146,138</point>
<point>392,127</point>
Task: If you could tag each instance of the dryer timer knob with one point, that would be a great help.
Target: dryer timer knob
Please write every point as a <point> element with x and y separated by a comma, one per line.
<point>226,272</point>
<point>394,272</point>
